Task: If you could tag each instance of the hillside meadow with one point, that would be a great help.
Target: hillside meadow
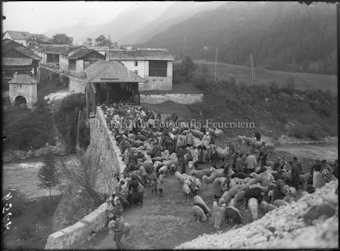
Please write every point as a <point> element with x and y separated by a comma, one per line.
<point>242,74</point>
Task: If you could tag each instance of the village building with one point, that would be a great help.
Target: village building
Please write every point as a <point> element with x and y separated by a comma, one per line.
<point>23,37</point>
<point>109,81</point>
<point>68,59</point>
<point>20,59</point>
<point>153,65</point>
<point>23,90</point>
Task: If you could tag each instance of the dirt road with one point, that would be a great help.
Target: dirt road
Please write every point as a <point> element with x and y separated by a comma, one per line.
<point>162,222</point>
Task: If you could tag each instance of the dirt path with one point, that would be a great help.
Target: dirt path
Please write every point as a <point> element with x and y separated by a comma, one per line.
<point>162,222</point>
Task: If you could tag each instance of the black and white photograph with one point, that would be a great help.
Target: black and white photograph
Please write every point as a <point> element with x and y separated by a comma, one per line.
<point>169,125</point>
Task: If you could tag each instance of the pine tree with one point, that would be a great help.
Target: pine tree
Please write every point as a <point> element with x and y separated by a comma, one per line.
<point>48,174</point>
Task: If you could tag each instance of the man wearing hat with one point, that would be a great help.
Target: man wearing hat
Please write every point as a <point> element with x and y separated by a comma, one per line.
<point>277,164</point>
<point>296,169</point>
<point>119,229</point>
<point>214,156</point>
<point>206,138</point>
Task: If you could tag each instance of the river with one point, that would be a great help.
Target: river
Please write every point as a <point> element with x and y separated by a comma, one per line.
<point>327,151</point>
<point>22,175</point>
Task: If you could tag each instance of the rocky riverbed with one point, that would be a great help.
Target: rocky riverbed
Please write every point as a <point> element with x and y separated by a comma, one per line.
<point>283,227</point>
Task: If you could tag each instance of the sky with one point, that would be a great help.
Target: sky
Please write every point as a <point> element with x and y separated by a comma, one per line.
<point>42,16</point>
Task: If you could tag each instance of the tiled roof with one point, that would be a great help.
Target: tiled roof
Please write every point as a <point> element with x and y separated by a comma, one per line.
<point>24,35</point>
<point>110,72</point>
<point>79,54</point>
<point>53,48</point>
<point>16,61</point>
<point>8,44</point>
<point>24,50</point>
<point>73,49</point>
<point>22,79</point>
<point>18,35</point>
<point>41,37</point>
<point>141,54</point>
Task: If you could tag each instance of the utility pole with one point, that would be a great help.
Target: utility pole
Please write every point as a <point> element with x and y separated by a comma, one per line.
<point>183,46</point>
<point>216,62</point>
<point>109,49</point>
<point>252,69</point>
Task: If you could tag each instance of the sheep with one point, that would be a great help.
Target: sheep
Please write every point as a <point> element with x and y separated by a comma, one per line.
<point>168,163</point>
<point>253,207</point>
<point>233,202</point>
<point>180,178</point>
<point>304,178</point>
<point>217,215</point>
<point>200,173</point>
<point>199,213</point>
<point>280,203</point>
<point>232,213</point>
<point>239,196</point>
<point>191,178</point>
<point>163,169</point>
<point>198,199</point>
<point>233,191</point>
<point>266,207</point>
<point>173,168</point>
<point>197,133</point>
<point>218,133</point>
<point>225,198</point>
<point>186,190</point>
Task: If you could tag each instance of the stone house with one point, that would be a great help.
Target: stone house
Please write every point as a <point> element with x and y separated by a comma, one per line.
<point>23,90</point>
<point>68,59</point>
<point>153,65</point>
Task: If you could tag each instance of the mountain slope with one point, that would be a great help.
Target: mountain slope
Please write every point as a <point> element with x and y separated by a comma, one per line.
<point>131,20</point>
<point>77,32</point>
<point>279,35</point>
<point>177,12</point>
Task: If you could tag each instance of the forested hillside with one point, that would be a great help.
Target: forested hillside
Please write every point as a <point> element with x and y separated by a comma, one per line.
<point>285,36</point>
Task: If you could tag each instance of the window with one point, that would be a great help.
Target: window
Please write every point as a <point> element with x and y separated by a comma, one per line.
<point>52,58</point>
<point>158,68</point>
<point>136,71</point>
<point>136,63</point>
<point>72,64</point>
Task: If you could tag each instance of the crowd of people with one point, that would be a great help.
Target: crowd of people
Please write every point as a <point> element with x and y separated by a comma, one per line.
<point>150,150</point>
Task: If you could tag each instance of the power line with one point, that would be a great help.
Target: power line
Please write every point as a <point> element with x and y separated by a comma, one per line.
<point>252,69</point>
<point>215,62</point>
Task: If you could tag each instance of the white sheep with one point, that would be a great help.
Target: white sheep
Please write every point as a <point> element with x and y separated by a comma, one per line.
<point>199,213</point>
<point>253,206</point>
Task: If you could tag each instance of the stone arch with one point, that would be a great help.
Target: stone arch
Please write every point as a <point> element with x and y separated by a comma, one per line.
<point>20,100</point>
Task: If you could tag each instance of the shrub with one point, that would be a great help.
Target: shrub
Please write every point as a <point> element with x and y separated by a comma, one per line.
<point>313,131</point>
<point>65,80</point>
<point>66,119</point>
<point>273,87</point>
<point>26,231</point>
<point>289,86</point>
<point>25,128</point>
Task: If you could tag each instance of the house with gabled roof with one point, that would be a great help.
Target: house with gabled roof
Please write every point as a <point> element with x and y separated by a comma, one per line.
<point>18,58</point>
<point>21,37</point>
<point>73,59</point>
<point>152,64</point>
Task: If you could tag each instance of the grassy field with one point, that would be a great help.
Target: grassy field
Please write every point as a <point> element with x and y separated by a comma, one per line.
<point>187,88</point>
<point>303,81</point>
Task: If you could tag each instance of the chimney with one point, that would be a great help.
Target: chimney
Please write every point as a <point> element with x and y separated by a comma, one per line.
<point>15,75</point>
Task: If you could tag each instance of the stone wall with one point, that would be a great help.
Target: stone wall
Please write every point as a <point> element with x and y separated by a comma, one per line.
<point>76,85</point>
<point>156,83</point>
<point>105,157</point>
<point>179,98</point>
